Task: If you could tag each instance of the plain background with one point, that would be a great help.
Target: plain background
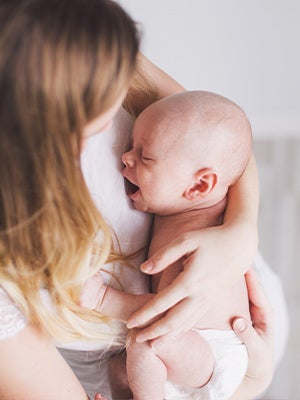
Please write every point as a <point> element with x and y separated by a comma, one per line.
<point>247,51</point>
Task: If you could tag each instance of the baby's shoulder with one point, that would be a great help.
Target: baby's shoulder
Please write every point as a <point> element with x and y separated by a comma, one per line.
<point>12,320</point>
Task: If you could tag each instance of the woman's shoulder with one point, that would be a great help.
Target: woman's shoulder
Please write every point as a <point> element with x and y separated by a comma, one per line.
<point>12,320</point>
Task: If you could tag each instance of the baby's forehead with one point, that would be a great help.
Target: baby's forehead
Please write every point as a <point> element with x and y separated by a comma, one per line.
<point>166,125</point>
<point>175,139</point>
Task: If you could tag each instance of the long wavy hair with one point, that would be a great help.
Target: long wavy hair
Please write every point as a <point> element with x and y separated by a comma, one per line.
<point>62,63</point>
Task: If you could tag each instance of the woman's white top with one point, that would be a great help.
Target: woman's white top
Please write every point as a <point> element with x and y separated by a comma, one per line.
<point>12,321</point>
<point>102,165</point>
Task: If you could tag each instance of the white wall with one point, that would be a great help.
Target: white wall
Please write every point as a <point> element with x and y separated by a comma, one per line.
<point>247,50</point>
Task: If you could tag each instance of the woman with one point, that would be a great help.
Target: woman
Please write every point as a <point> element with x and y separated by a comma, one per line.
<point>64,71</point>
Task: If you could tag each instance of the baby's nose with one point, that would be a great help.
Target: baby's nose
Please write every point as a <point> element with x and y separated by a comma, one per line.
<point>128,159</point>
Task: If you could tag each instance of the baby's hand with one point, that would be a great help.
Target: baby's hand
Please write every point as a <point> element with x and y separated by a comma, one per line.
<point>93,292</point>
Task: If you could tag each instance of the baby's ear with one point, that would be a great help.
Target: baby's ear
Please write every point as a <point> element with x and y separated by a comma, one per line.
<point>204,182</point>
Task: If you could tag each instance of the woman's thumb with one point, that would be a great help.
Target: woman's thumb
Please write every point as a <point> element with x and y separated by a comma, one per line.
<point>245,331</point>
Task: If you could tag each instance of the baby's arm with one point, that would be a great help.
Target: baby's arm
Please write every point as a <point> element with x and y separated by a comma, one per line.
<point>111,302</point>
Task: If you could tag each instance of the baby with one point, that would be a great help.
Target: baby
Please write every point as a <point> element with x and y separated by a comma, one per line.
<point>187,149</point>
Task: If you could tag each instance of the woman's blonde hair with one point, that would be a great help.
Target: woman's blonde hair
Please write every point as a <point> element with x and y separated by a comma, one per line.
<point>62,63</point>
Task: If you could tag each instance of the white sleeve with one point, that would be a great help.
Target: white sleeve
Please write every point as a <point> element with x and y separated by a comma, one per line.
<point>12,321</point>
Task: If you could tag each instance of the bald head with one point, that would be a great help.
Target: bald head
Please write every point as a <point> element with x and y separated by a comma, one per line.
<point>205,128</point>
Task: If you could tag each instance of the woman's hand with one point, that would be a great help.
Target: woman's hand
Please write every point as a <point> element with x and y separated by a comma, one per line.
<point>205,274</point>
<point>258,340</point>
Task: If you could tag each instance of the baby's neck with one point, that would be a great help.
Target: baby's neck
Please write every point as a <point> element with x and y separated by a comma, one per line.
<point>195,218</point>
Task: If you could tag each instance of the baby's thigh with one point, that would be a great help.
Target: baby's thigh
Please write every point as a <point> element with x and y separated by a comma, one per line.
<point>188,359</point>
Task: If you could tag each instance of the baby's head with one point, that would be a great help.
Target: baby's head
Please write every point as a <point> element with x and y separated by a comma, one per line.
<point>187,149</point>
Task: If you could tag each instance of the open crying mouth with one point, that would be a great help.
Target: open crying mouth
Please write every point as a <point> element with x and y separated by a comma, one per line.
<point>131,188</point>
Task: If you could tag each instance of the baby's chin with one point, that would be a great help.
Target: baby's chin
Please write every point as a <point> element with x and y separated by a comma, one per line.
<point>141,206</point>
<point>134,193</point>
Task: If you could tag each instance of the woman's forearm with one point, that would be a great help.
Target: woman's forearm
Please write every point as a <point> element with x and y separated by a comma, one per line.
<point>157,78</point>
<point>242,211</point>
<point>243,197</point>
<point>149,84</point>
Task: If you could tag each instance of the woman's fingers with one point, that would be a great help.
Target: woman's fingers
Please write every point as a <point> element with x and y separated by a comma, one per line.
<point>262,314</point>
<point>255,291</point>
<point>248,335</point>
<point>259,337</point>
<point>179,319</point>
<point>161,259</point>
<point>167,298</point>
<point>260,357</point>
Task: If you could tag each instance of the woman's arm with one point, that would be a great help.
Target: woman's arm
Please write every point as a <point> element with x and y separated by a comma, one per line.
<point>242,211</point>
<point>215,258</point>
<point>163,83</point>
<point>31,368</point>
<point>149,84</point>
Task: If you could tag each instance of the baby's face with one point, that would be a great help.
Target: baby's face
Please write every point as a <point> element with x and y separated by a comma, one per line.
<point>154,167</point>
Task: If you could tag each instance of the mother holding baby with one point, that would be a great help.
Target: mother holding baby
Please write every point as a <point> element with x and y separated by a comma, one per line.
<point>65,70</point>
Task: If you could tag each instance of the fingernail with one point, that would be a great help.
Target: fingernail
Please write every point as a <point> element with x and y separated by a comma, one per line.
<point>147,266</point>
<point>239,325</point>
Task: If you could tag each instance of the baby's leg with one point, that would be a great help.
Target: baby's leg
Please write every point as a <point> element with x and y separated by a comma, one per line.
<point>188,359</point>
<point>146,373</point>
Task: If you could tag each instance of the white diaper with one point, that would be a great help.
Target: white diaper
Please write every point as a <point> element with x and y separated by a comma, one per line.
<point>231,360</point>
